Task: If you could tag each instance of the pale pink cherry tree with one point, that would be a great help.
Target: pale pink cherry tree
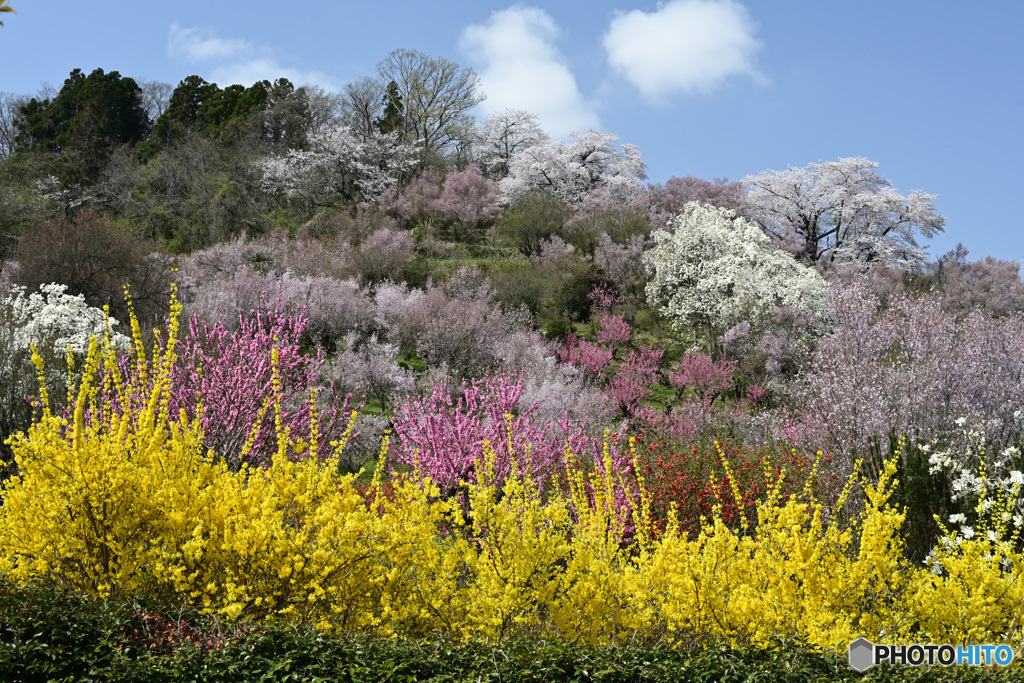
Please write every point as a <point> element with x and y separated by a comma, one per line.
<point>419,201</point>
<point>468,200</point>
<point>665,201</point>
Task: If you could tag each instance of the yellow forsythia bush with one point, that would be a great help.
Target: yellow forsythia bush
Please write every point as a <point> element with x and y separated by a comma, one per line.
<point>121,499</point>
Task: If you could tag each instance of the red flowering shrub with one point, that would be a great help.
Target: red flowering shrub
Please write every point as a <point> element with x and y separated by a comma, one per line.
<point>695,478</point>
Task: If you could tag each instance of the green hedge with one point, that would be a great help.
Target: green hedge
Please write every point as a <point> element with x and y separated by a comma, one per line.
<point>46,635</point>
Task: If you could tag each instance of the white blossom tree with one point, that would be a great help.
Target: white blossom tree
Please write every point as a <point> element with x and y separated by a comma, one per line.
<point>504,135</point>
<point>339,165</point>
<point>842,211</point>
<point>712,270</point>
<point>571,170</point>
<point>58,321</point>
<point>54,323</point>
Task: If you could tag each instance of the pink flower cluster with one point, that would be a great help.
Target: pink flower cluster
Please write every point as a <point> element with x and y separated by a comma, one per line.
<point>230,374</point>
<point>444,437</point>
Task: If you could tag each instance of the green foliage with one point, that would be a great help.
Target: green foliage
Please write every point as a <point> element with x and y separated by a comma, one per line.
<point>533,221</point>
<point>200,107</point>
<point>50,635</point>
<point>416,272</point>
<point>558,328</point>
<point>47,634</point>
<point>90,117</point>
<point>392,119</point>
<point>21,206</point>
<point>573,295</point>
<point>522,284</point>
<point>192,193</point>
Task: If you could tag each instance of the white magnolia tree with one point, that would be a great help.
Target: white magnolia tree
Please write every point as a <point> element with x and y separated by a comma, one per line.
<point>339,164</point>
<point>56,321</point>
<point>712,271</point>
<point>571,170</point>
<point>842,211</point>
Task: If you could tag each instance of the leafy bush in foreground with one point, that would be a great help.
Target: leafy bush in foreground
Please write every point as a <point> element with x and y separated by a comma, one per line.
<point>52,635</point>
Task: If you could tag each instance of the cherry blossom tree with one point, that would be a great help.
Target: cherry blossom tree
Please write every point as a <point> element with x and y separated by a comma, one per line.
<point>339,165</point>
<point>504,135</point>
<point>842,211</point>
<point>667,200</point>
<point>468,200</point>
<point>991,285</point>
<point>913,367</point>
<point>420,201</point>
<point>571,170</point>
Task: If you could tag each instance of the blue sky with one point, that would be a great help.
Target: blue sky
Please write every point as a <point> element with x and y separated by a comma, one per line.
<point>932,91</point>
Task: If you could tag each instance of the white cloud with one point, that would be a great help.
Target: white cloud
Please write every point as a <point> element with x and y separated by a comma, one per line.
<point>231,60</point>
<point>258,69</point>
<point>522,69</point>
<point>197,45</point>
<point>686,45</point>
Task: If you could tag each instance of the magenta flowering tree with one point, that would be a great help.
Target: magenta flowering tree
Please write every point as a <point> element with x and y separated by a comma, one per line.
<point>603,296</point>
<point>231,375</point>
<point>593,358</point>
<point>445,436</point>
<point>612,330</point>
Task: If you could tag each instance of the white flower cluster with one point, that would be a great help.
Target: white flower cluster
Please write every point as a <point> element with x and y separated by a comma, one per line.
<point>991,483</point>
<point>339,163</point>
<point>716,270</point>
<point>56,321</point>
<point>571,170</point>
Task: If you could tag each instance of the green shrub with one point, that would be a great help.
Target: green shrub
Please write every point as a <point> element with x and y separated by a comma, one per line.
<point>533,221</point>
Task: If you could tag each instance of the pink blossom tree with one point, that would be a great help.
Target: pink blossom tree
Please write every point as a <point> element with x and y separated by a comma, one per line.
<point>593,358</point>
<point>231,376</point>
<point>612,330</point>
<point>665,201</point>
<point>708,378</point>
<point>468,200</point>
<point>634,378</point>
<point>445,437</point>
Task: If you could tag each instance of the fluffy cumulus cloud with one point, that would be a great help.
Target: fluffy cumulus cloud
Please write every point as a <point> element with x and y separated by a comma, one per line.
<point>226,61</point>
<point>683,46</point>
<point>521,68</point>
